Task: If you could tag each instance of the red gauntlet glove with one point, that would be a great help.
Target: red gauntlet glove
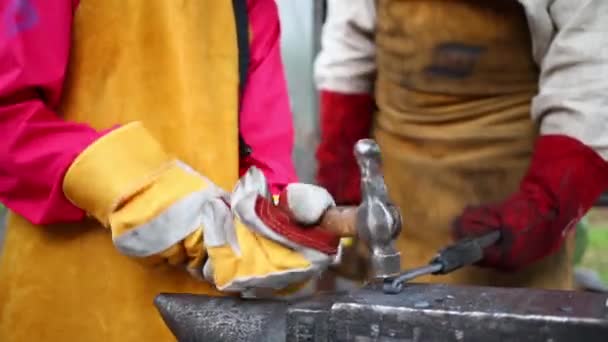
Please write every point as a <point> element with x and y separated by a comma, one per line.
<point>345,118</point>
<point>564,180</point>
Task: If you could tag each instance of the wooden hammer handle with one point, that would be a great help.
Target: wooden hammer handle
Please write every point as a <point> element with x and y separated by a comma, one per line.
<point>340,221</point>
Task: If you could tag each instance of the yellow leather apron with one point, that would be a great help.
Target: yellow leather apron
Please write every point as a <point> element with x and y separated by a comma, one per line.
<point>455,83</point>
<point>174,65</point>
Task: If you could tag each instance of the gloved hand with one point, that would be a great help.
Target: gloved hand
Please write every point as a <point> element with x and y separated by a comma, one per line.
<point>263,245</point>
<point>344,119</point>
<point>563,181</point>
<point>160,210</point>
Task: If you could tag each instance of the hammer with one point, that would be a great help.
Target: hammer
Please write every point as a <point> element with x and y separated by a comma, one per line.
<point>376,221</point>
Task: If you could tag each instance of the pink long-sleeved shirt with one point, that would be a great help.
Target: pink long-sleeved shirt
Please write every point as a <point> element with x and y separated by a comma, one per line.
<point>37,145</point>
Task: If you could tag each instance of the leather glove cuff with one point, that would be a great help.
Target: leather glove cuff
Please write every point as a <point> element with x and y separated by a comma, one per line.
<point>564,180</point>
<point>344,119</point>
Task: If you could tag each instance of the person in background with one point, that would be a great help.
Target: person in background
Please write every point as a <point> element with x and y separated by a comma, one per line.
<point>121,126</point>
<point>491,115</point>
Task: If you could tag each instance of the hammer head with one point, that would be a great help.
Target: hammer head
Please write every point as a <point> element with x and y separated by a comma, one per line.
<point>378,220</point>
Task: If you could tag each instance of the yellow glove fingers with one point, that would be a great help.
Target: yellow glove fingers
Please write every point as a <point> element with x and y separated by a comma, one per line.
<point>260,259</point>
<point>162,215</point>
<point>245,255</point>
<point>195,250</point>
<point>175,255</point>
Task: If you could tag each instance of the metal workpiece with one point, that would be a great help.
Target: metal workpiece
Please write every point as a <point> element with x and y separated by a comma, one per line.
<point>395,285</point>
<point>418,313</point>
<point>378,221</point>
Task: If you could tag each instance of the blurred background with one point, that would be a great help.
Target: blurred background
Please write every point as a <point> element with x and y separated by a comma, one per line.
<point>592,244</point>
<point>301,27</point>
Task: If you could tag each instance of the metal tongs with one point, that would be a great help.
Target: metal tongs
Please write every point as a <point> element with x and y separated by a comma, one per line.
<point>462,253</point>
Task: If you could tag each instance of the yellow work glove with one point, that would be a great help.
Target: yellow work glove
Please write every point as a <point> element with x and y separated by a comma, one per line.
<point>150,201</point>
<point>254,244</point>
<point>160,210</point>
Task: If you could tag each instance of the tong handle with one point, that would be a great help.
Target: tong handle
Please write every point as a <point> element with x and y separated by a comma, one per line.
<point>462,253</point>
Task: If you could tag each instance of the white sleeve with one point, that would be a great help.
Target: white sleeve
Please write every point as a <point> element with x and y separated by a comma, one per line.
<point>573,92</point>
<point>346,62</point>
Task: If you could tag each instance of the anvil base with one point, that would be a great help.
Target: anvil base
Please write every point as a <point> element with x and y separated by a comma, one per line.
<point>418,313</point>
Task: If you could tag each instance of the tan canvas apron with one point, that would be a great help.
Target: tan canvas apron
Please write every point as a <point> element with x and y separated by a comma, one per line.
<point>174,66</point>
<point>455,82</point>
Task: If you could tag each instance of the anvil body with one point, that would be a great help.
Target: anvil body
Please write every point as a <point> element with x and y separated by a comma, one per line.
<point>418,313</point>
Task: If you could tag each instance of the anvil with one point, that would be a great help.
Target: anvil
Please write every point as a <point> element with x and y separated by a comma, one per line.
<point>420,312</point>
<point>415,313</point>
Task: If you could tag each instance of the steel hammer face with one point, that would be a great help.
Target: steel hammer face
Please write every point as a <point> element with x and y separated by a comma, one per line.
<point>378,221</point>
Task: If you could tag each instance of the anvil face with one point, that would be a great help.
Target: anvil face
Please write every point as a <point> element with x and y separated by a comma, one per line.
<point>418,313</point>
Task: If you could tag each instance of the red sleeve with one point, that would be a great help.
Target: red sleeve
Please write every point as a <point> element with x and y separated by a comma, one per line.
<point>37,146</point>
<point>266,121</point>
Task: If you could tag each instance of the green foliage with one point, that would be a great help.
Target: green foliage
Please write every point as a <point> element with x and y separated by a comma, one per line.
<point>582,241</point>
<point>596,252</point>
